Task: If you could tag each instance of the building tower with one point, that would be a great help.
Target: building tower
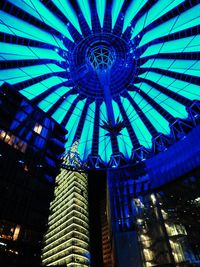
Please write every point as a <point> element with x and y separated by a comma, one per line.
<point>66,242</point>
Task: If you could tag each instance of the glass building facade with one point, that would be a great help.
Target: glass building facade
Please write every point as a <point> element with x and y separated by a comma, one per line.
<point>67,239</point>
<point>30,148</point>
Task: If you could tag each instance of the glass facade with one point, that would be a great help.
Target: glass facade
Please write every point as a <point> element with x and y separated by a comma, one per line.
<point>67,239</point>
<point>30,148</point>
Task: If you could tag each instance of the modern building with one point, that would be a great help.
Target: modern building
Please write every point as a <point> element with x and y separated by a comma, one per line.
<point>67,239</point>
<point>122,77</point>
<point>30,145</point>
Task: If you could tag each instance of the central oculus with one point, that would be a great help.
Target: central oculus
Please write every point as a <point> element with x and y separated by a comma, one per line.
<point>101,57</point>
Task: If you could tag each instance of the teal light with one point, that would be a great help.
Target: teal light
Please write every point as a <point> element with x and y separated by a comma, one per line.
<point>13,76</point>
<point>36,89</point>
<point>188,44</point>
<point>14,26</point>
<point>190,67</point>
<point>188,90</point>
<point>60,113</point>
<point>85,142</point>
<point>105,147</point>
<point>175,108</point>
<point>155,12</point>
<point>48,101</point>
<point>101,6</point>
<point>124,141</point>
<point>143,135</point>
<point>21,52</point>
<point>72,124</point>
<point>65,7</point>
<point>125,144</point>
<point>85,8</point>
<point>39,11</point>
<point>116,8</point>
<point>157,120</point>
<point>132,10</point>
<point>187,19</point>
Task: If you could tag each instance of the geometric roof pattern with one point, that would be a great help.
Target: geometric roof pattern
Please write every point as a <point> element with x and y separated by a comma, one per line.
<point>152,84</point>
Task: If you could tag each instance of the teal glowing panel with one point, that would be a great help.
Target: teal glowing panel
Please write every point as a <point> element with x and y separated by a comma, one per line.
<point>125,144</point>
<point>101,6</point>
<point>187,19</point>
<point>143,135</point>
<point>105,147</point>
<point>189,67</point>
<point>85,8</point>
<point>183,45</point>
<point>124,141</point>
<point>116,8</point>
<point>36,89</point>
<point>72,124</point>
<point>43,48</point>
<point>85,142</point>
<point>188,90</point>
<point>132,10</point>
<point>156,119</point>
<point>156,11</point>
<point>175,108</point>
<point>21,52</point>
<point>14,26</point>
<point>66,8</point>
<point>51,99</point>
<point>60,113</point>
<point>14,76</point>
<point>39,11</point>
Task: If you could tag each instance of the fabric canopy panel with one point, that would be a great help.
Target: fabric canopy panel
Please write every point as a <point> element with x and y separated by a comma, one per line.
<point>96,66</point>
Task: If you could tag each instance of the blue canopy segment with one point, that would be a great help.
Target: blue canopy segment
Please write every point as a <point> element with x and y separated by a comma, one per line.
<point>141,98</point>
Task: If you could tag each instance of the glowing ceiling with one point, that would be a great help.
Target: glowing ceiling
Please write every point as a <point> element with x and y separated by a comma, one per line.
<point>52,52</point>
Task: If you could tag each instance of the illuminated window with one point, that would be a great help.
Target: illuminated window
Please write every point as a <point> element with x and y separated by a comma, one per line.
<point>16,232</point>
<point>37,128</point>
<point>14,141</point>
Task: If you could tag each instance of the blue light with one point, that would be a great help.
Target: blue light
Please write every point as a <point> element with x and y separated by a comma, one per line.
<point>105,147</point>
<point>183,45</point>
<point>68,11</point>
<point>190,67</point>
<point>85,8</point>
<point>187,19</point>
<point>158,121</point>
<point>42,48</point>
<point>116,8</point>
<point>48,102</point>
<point>156,11</point>
<point>21,52</point>
<point>85,142</point>
<point>188,90</point>
<point>124,141</point>
<point>36,89</point>
<point>176,109</point>
<point>14,26</point>
<point>61,111</point>
<point>39,11</point>
<point>101,5</point>
<point>143,135</point>
<point>13,76</point>
<point>132,10</point>
<point>73,121</point>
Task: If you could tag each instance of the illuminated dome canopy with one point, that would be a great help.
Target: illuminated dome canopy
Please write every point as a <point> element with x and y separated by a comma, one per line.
<point>121,76</point>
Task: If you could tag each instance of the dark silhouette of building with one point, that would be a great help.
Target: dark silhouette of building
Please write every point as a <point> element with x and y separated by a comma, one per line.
<point>30,145</point>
